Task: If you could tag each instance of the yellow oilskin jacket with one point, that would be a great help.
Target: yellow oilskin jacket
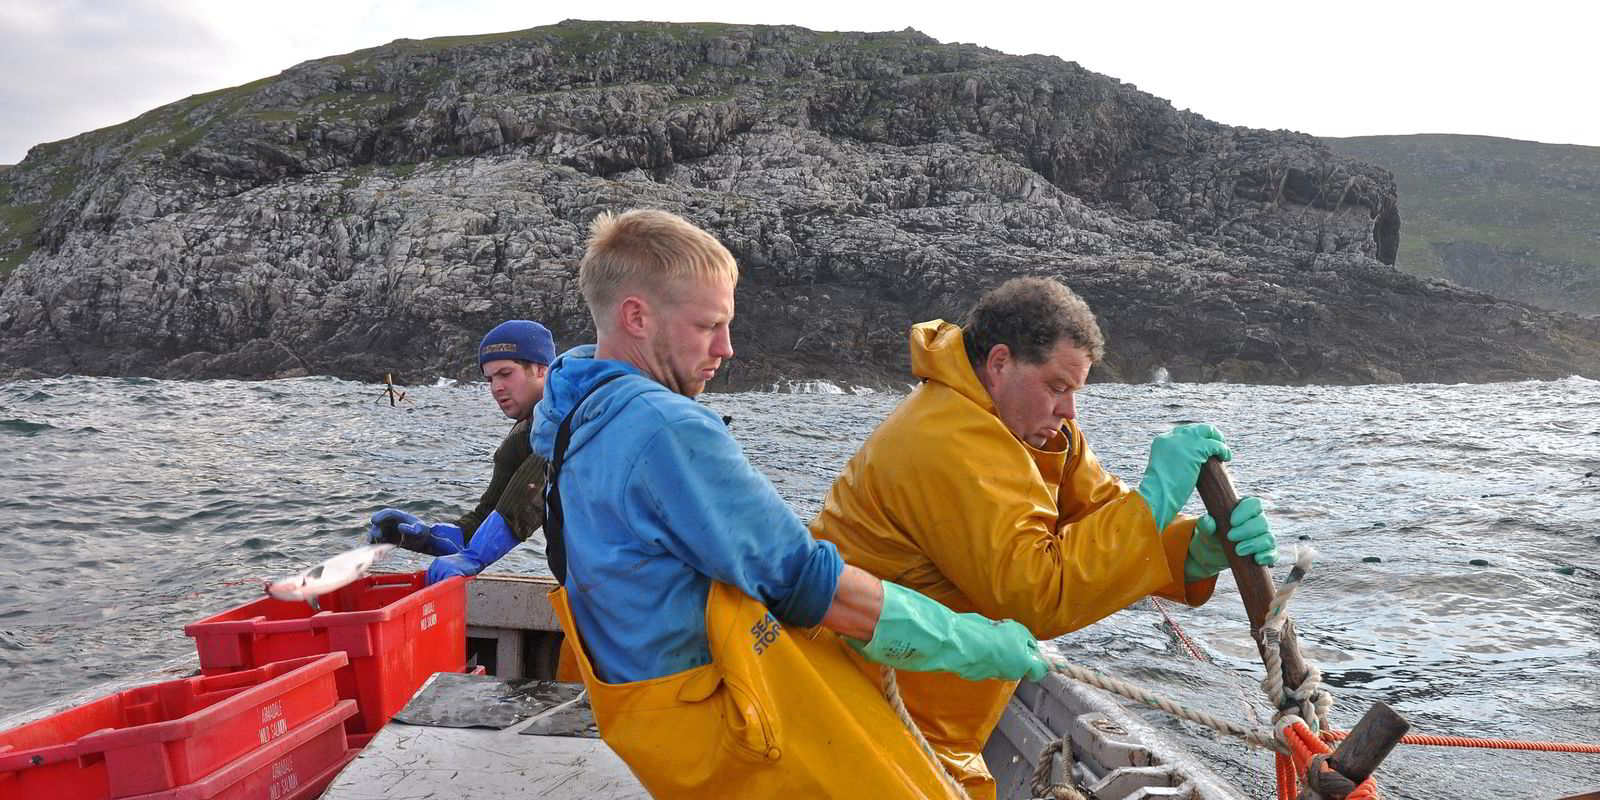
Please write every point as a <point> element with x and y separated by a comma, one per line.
<point>779,712</point>
<point>944,499</point>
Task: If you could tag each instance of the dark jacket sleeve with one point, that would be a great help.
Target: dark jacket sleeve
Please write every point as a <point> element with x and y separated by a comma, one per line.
<point>521,505</point>
<point>516,489</point>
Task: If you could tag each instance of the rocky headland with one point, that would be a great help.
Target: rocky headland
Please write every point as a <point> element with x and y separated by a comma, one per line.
<point>377,211</point>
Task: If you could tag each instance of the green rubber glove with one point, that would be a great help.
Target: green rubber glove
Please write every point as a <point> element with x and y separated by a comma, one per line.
<point>1247,529</point>
<point>916,633</point>
<point>1175,460</point>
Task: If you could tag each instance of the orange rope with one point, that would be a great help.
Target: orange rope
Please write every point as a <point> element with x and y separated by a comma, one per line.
<point>1305,746</point>
<point>1288,781</point>
<point>1462,741</point>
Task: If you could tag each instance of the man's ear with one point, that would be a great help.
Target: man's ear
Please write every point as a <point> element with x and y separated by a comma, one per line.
<point>998,361</point>
<point>634,316</point>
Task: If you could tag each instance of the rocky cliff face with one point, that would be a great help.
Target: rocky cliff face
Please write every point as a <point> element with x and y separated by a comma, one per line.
<point>378,211</point>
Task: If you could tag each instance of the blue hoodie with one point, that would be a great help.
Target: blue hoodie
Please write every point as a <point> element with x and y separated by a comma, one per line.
<point>660,501</point>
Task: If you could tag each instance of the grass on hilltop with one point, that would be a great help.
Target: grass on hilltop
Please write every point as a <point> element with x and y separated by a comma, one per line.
<point>1516,196</point>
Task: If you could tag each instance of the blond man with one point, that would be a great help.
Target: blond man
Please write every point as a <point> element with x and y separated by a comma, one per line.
<point>717,639</point>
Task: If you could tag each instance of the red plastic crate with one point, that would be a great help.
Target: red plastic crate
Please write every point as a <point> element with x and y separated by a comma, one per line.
<point>165,735</point>
<point>300,765</point>
<point>395,630</point>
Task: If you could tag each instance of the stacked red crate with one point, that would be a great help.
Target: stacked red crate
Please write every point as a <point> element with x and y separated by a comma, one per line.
<point>202,738</point>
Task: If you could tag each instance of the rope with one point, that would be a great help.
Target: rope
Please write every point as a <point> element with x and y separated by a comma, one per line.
<point>1287,779</point>
<point>1491,744</point>
<point>891,692</point>
<point>1183,638</point>
<point>1310,699</point>
<point>1310,758</point>
<point>1257,737</point>
<point>1302,710</point>
<point>1040,780</point>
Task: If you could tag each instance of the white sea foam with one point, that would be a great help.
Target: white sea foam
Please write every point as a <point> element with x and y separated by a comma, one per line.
<point>806,387</point>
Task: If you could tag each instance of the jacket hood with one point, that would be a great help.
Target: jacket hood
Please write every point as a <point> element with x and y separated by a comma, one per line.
<point>939,354</point>
<point>571,377</point>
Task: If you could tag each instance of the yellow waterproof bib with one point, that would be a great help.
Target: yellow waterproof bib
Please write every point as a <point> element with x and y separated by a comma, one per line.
<point>779,712</point>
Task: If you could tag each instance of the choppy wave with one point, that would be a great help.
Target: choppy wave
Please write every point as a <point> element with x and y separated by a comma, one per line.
<point>24,427</point>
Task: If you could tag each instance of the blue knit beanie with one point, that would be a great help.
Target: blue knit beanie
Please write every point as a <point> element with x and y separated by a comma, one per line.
<point>520,339</point>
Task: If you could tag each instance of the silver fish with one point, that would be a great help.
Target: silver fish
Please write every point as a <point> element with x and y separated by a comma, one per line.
<point>329,576</point>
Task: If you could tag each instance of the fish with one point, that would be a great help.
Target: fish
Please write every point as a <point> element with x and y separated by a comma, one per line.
<point>329,576</point>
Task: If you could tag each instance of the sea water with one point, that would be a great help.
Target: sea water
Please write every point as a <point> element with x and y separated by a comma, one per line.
<point>1457,531</point>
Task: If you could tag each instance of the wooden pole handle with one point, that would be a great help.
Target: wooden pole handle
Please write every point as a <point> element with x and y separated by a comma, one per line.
<point>1255,583</point>
<point>1370,741</point>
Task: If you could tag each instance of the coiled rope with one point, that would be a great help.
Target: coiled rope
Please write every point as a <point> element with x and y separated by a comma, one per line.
<point>1308,756</point>
<point>1040,783</point>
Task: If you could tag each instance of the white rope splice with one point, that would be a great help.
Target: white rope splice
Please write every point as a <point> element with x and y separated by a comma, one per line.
<point>1311,699</point>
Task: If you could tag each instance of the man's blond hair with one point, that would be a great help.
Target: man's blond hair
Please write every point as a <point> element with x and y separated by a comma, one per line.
<point>650,251</point>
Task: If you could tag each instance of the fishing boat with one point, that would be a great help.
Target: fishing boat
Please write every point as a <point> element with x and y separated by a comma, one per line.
<point>513,629</point>
<point>514,731</point>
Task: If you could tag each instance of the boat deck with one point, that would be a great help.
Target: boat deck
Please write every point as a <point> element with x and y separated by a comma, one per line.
<point>411,762</point>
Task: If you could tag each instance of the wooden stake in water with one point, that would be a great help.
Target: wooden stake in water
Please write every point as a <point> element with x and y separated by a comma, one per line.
<point>389,390</point>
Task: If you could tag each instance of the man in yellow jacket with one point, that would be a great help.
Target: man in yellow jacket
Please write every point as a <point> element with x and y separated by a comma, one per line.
<point>980,492</point>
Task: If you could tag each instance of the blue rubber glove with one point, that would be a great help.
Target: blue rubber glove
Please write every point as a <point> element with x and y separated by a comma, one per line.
<point>492,540</point>
<point>1175,460</point>
<point>1247,529</point>
<point>916,633</point>
<point>393,526</point>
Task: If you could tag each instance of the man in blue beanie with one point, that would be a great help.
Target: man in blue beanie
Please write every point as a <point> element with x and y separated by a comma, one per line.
<point>514,356</point>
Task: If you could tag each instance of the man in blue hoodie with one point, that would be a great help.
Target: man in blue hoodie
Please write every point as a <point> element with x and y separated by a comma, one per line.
<point>687,582</point>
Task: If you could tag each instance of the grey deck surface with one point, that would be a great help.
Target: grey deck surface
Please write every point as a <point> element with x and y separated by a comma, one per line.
<point>410,762</point>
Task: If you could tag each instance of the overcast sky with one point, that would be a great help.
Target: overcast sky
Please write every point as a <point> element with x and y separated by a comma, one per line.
<point>1523,70</point>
